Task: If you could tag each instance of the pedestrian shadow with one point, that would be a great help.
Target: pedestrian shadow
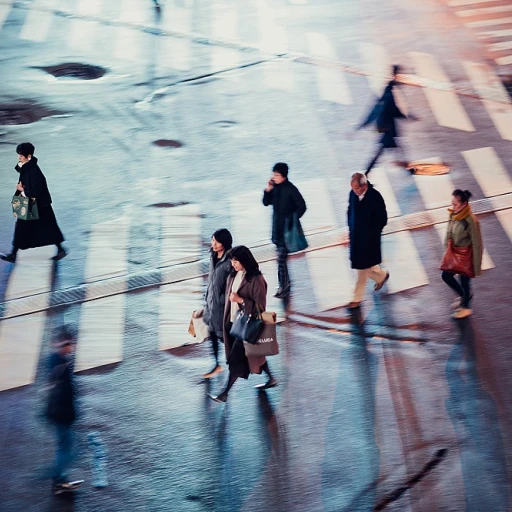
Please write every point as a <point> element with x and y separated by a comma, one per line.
<point>476,422</point>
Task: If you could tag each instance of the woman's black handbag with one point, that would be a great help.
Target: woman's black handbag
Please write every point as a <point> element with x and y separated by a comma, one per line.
<point>294,238</point>
<point>246,327</point>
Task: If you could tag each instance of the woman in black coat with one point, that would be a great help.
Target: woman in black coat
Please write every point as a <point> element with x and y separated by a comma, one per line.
<point>43,231</point>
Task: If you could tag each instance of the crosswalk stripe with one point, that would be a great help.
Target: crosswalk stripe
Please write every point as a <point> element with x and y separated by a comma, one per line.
<point>5,9</point>
<point>377,63</point>
<point>37,23</point>
<point>251,222</point>
<point>21,337</point>
<point>332,83</point>
<point>401,259</point>
<point>272,36</point>
<point>487,262</point>
<point>486,82</point>
<point>497,47</point>
<point>101,335</point>
<point>458,3</point>
<point>504,61</point>
<point>279,75</point>
<point>269,271</point>
<point>224,25</point>
<point>176,53</point>
<point>88,7</point>
<point>320,213</point>
<point>505,218</point>
<point>129,44</point>
<point>381,182</point>
<point>489,172</point>
<point>483,11</point>
<point>436,191</point>
<point>445,105</point>
<point>491,34</point>
<point>489,23</point>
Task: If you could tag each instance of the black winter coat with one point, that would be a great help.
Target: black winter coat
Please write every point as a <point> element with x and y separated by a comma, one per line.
<point>215,297</point>
<point>366,219</point>
<point>61,397</point>
<point>34,182</point>
<point>286,200</point>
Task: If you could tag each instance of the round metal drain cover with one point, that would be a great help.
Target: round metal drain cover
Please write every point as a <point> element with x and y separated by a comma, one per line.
<point>23,113</point>
<point>75,71</point>
<point>168,143</point>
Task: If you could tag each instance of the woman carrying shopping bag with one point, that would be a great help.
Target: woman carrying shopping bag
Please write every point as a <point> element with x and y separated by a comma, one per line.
<point>463,252</point>
<point>246,291</point>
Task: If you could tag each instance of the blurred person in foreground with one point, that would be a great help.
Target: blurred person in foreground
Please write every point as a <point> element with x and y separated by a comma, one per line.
<point>463,237</point>
<point>366,218</point>
<point>246,290</point>
<point>61,410</point>
<point>43,231</point>
<point>286,201</point>
<point>215,297</point>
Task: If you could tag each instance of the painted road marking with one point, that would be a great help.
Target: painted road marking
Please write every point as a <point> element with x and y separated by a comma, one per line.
<point>487,262</point>
<point>378,64</point>
<point>175,52</point>
<point>37,23</point>
<point>489,23</point>
<point>101,334</point>
<point>5,9</point>
<point>436,191</point>
<point>320,214</point>
<point>505,218</point>
<point>489,172</point>
<point>224,26</point>
<point>457,3</point>
<point>332,84</point>
<point>21,337</point>
<point>247,210</point>
<point>445,105</point>
<point>380,181</point>
<point>483,11</point>
<point>486,82</point>
<point>269,271</point>
<point>401,259</point>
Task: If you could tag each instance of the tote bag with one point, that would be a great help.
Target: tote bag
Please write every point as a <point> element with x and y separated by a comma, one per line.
<point>458,260</point>
<point>294,238</point>
<point>266,344</point>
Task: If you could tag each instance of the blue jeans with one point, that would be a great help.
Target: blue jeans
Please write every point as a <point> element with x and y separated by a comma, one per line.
<point>63,452</point>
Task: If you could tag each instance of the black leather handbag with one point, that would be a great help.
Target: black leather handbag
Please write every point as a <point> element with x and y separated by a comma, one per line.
<point>246,327</point>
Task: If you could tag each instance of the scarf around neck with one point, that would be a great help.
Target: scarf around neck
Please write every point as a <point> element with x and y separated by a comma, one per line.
<point>463,214</point>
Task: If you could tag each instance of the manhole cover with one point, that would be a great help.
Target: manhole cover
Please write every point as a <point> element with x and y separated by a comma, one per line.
<point>23,113</point>
<point>168,143</point>
<point>75,71</point>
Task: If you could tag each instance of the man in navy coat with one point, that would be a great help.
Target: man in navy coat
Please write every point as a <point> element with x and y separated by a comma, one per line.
<point>366,218</point>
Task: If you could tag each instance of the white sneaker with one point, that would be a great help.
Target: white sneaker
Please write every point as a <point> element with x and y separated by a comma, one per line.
<point>462,313</point>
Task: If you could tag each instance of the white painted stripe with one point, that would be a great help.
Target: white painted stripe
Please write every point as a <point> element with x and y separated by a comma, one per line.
<point>331,277</point>
<point>380,181</point>
<point>320,213</point>
<point>436,191</point>
<point>483,11</point>
<point>490,23</point>
<point>5,9</point>
<point>445,105</point>
<point>224,26</point>
<point>491,34</point>
<point>251,222</point>
<point>89,7</point>
<point>37,23</point>
<point>498,47</point>
<point>457,3</point>
<point>134,11</point>
<point>129,44</point>
<point>402,260</point>
<point>332,83</point>
<point>272,36</point>
<point>486,82</point>
<point>489,172</point>
<point>101,336</point>
<point>269,271</point>
<point>487,262</point>
<point>82,35</point>
<point>377,63</point>
<point>504,61</point>
<point>298,2</point>
<point>107,254</point>
<point>175,53</point>
<point>279,75</point>
<point>505,218</point>
<point>20,347</point>
<point>177,302</point>
<point>181,235</point>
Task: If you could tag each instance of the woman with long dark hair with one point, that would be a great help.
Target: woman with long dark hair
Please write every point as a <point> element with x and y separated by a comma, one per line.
<point>215,298</point>
<point>246,290</point>
<point>43,231</point>
<point>463,231</point>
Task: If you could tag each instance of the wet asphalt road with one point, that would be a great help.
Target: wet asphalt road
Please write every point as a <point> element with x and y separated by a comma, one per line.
<point>363,408</point>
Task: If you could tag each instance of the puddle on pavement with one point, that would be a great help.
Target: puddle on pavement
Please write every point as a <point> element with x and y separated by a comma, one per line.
<point>168,205</point>
<point>168,143</point>
<point>24,112</point>
<point>75,71</point>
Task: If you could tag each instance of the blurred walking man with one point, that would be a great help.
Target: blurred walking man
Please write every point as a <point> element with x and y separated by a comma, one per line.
<point>366,217</point>
<point>287,201</point>
<point>61,411</point>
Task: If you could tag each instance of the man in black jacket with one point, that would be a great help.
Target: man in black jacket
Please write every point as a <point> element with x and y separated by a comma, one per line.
<point>61,410</point>
<point>286,200</point>
<point>366,218</point>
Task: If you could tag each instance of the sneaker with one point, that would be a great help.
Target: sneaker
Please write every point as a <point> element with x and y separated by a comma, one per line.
<point>462,313</point>
<point>378,286</point>
<point>271,383</point>
<point>352,305</point>
<point>220,398</point>
<point>11,258</point>
<point>62,253</point>
<point>67,487</point>
<point>215,371</point>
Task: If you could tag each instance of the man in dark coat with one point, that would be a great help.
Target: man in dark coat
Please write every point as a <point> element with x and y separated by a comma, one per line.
<point>61,410</point>
<point>43,231</point>
<point>384,115</point>
<point>366,218</point>
<point>286,200</point>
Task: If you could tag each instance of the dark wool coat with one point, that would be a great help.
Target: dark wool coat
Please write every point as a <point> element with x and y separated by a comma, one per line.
<point>366,219</point>
<point>215,298</point>
<point>61,396</point>
<point>286,200</point>
<point>254,294</point>
<point>384,115</point>
<point>44,231</point>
